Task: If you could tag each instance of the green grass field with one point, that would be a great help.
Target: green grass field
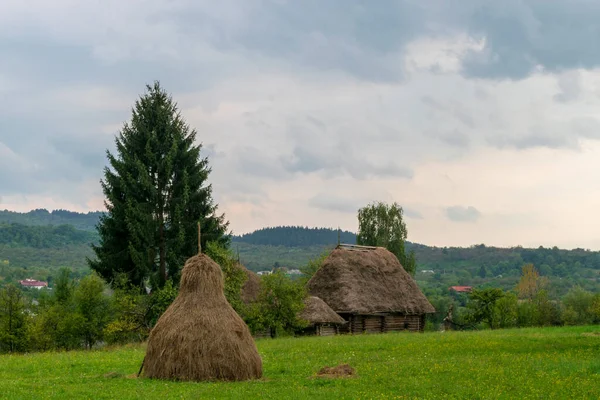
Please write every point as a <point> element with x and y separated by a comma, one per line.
<point>551,363</point>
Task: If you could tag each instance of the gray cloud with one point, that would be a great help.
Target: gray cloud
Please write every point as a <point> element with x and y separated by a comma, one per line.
<point>258,163</point>
<point>339,162</point>
<point>411,213</point>
<point>533,140</point>
<point>453,109</point>
<point>210,150</point>
<point>283,89</point>
<point>462,214</point>
<point>564,135</point>
<point>332,202</point>
<point>520,35</point>
<point>333,35</point>
<point>569,84</point>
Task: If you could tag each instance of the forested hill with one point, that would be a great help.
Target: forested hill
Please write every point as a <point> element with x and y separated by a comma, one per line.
<point>44,236</point>
<point>82,221</point>
<point>43,240</point>
<point>295,236</point>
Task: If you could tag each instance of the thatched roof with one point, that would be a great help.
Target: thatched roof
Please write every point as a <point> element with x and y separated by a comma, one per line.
<point>200,336</point>
<point>251,288</point>
<point>316,311</point>
<point>367,281</point>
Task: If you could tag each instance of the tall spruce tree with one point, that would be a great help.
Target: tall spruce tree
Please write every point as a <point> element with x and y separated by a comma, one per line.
<point>156,193</point>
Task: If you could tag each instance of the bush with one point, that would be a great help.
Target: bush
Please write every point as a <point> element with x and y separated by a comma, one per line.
<point>278,305</point>
<point>578,304</point>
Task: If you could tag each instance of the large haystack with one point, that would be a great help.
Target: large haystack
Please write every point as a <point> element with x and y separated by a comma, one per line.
<point>316,311</point>
<point>370,289</point>
<point>200,337</point>
<point>251,288</point>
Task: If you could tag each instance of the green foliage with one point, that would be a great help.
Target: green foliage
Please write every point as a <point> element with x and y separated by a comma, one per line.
<point>13,320</point>
<point>382,225</point>
<point>262,257</point>
<point>312,266</point>
<point>81,221</point>
<point>159,300</point>
<point>578,305</point>
<point>505,312</point>
<point>58,324</point>
<point>296,236</point>
<point>64,286</point>
<point>482,306</point>
<point>156,193</point>
<point>452,266</point>
<point>279,302</point>
<point>129,323</point>
<point>94,308</point>
<point>596,308</point>
<point>132,313</point>
<point>527,314</point>
<point>548,311</point>
<point>43,236</point>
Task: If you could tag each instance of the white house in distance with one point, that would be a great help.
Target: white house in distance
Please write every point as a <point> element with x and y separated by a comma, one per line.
<point>32,283</point>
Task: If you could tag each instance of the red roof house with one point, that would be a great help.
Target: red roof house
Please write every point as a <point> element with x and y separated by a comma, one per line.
<point>32,283</point>
<point>461,289</point>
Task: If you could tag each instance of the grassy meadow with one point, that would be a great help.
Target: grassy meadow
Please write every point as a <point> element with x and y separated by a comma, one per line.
<point>543,363</point>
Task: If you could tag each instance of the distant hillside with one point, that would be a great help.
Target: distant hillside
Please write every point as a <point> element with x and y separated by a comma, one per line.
<point>477,265</point>
<point>34,244</point>
<point>83,221</point>
<point>296,236</point>
<point>44,236</point>
<point>257,257</point>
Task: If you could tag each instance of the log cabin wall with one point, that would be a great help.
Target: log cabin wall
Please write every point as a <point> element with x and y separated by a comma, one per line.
<point>392,322</point>
<point>326,330</point>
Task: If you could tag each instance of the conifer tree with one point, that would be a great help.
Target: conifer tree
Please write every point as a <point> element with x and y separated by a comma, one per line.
<point>156,193</point>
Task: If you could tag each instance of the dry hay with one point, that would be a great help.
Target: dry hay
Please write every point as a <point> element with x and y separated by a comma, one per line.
<point>200,337</point>
<point>366,282</point>
<point>316,311</point>
<point>340,371</point>
<point>251,287</point>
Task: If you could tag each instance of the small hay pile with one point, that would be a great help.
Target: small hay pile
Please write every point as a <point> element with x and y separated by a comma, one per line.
<point>316,311</point>
<point>366,282</point>
<point>339,371</point>
<point>200,337</point>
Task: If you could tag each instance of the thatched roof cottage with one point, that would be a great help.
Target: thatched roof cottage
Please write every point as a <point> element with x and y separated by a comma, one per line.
<point>323,321</point>
<point>369,288</point>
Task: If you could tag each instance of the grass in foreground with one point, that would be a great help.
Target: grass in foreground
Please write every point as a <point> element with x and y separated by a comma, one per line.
<point>550,363</point>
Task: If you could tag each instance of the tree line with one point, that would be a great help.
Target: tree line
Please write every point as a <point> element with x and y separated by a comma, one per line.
<point>527,304</point>
<point>43,236</point>
<point>84,313</point>
<point>41,216</point>
<point>295,236</point>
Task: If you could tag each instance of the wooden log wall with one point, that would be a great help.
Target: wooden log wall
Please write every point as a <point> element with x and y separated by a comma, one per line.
<point>384,323</point>
<point>326,330</point>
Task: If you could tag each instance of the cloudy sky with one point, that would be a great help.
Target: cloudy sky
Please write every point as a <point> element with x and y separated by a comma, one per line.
<point>479,117</point>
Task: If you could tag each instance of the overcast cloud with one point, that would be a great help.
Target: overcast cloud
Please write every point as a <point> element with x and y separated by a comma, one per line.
<point>479,118</point>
